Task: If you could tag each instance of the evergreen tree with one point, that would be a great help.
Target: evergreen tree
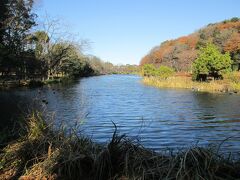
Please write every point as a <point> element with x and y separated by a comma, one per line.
<point>211,62</point>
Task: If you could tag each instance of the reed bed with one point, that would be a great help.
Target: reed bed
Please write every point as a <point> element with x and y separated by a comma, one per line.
<point>187,83</point>
<point>46,153</point>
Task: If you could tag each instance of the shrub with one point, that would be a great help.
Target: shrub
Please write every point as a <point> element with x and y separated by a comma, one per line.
<point>164,72</point>
<point>149,70</point>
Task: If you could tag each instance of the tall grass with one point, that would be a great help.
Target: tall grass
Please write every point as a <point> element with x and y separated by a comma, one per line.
<point>45,153</point>
<point>231,83</point>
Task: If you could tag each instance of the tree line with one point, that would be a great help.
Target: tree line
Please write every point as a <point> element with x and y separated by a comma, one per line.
<point>210,62</point>
<point>38,54</point>
<point>180,53</point>
<point>25,54</point>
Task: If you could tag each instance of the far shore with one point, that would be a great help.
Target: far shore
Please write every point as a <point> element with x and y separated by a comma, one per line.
<point>214,86</point>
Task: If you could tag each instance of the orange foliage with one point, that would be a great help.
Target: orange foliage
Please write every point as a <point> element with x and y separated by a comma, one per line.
<point>145,60</point>
<point>192,41</point>
<point>233,43</point>
<point>158,54</point>
<point>228,25</point>
<point>182,51</point>
<point>182,40</point>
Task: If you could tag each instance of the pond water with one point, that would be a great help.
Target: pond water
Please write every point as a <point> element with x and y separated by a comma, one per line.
<point>159,118</point>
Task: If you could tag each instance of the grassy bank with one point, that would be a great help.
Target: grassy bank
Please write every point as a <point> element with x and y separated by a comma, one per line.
<point>44,153</point>
<point>229,84</point>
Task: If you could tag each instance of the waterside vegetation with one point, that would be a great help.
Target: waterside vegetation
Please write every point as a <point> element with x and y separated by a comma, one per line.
<point>211,72</point>
<point>230,84</point>
<point>44,152</point>
<point>207,60</point>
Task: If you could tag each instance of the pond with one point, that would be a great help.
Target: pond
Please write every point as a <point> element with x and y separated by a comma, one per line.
<point>159,118</point>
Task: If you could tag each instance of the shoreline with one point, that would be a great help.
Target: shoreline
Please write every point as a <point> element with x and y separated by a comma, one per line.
<point>36,83</point>
<point>217,86</point>
<point>13,84</point>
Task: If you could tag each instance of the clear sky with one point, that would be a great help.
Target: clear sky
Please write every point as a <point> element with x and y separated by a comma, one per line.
<point>123,31</point>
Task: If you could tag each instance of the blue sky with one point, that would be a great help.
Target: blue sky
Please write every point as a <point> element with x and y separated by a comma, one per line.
<point>123,31</point>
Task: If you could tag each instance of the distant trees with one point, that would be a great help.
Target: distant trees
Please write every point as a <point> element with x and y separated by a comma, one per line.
<point>180,53</point>
<point>98,65</point>
<point>28,55</point>
<point>126,69</point>
<point>233,47</point>
<point>233,43</point>
<point>173,53</point>
<point>72,62</point>
<point>101,67</point>
<point>211,62</point>
<point>161,72</point>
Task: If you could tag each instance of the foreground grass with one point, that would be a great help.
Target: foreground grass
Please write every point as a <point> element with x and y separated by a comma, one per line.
<point>187,83</point>
<point>44,153</point>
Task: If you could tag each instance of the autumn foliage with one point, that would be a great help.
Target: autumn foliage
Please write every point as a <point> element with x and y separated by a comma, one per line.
<point>180,53</point>
<point>233,43</point>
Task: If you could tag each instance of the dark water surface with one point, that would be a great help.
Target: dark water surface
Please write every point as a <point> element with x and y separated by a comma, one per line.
<point>160,118</point>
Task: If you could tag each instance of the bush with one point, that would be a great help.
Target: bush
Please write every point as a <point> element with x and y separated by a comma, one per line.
<point>162,72</point>
<point>149,70</point>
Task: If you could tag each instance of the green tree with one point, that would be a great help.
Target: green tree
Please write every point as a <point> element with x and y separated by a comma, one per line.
<point>211,62</point>
<point>161,72</point>
<point>74,63</point>
<point>19,19</point>
<point>16,20</point>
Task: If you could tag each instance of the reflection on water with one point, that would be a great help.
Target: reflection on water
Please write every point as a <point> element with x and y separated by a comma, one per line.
<point>160,118</point>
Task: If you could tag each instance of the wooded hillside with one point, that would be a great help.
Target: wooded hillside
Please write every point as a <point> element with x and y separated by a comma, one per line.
<point>180,53</point>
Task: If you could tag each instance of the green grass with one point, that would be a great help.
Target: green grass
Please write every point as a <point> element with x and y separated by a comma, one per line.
<point>46,153</point>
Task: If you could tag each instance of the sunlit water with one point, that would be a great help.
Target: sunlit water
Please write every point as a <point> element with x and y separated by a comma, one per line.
<point>159,118</point>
